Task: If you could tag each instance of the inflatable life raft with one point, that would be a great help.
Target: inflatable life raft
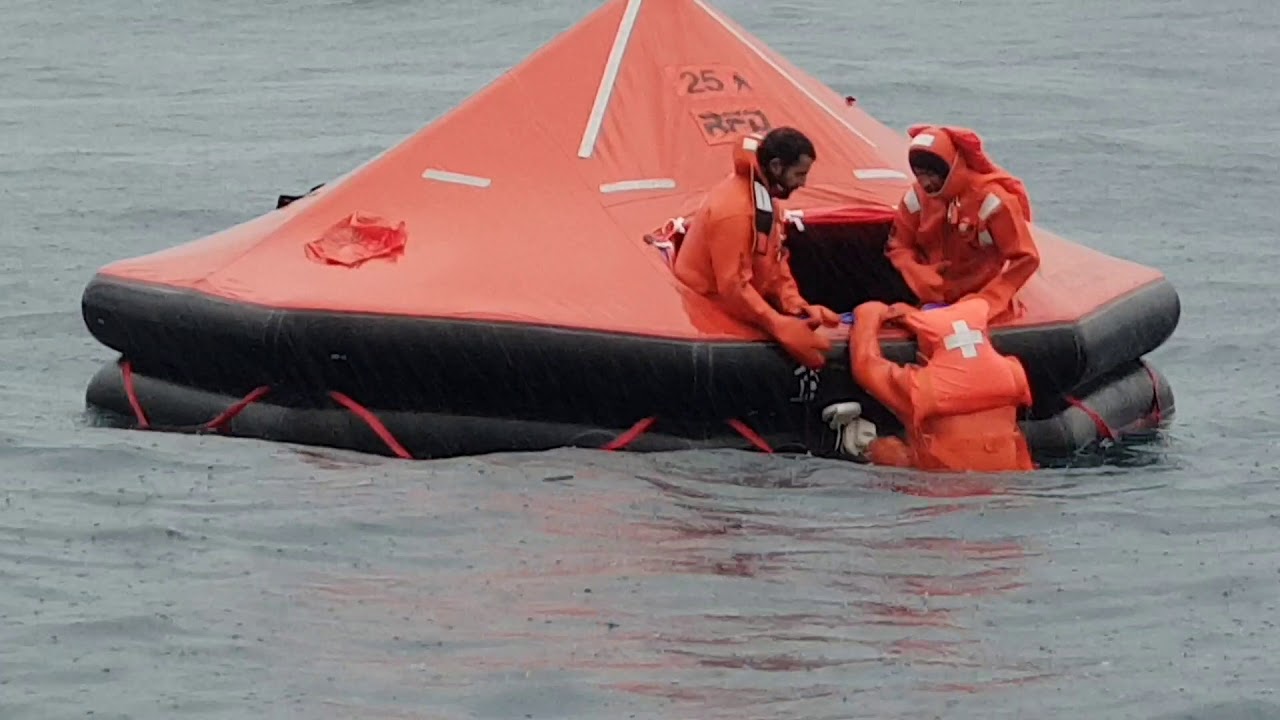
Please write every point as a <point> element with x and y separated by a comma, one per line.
<point>493,283</point>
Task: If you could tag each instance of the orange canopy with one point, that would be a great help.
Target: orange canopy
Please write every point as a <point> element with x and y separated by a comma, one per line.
<point>529,201</point>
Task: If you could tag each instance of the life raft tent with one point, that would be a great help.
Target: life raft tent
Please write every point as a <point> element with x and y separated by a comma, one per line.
<point>486,284</point>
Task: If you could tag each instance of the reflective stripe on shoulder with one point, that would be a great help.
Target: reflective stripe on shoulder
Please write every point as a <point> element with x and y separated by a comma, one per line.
<point>764,201</point>
<point>989,205</point>
<point>910,201</point>
<point>923,140</point>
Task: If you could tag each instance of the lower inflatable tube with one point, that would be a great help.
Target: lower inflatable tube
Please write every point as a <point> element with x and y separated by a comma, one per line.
<point>1130,398</point>
<point>175,408</point>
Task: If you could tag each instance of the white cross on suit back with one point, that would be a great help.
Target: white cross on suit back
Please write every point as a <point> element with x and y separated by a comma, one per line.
<point>965,338</point>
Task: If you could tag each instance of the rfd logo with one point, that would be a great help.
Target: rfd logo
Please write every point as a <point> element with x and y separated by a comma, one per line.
<point>808,381</point>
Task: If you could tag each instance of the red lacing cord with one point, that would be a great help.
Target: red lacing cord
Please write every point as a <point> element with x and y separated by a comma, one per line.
<point>373,422</point>
<point>1103,428</point>
<point>126,376</point>
<point>219,423</point>
<point>751,435</point>
<point>642,426</point>
<point>1157,412</point>
<point>630,435</point>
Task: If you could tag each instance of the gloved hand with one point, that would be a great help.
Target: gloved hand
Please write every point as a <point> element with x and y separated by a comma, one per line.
<point>869,311</point>
<point>897,310</point>
<point>819,315</point>
<point>800,341</point>
<point>926,281</point>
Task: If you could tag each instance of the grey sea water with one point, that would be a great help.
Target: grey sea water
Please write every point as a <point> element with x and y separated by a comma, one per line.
<point>150,576</point>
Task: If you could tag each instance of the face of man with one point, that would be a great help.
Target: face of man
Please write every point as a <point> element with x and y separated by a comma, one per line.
<point>786,180</point>
<point>930,170</point>
<point>929,180</point>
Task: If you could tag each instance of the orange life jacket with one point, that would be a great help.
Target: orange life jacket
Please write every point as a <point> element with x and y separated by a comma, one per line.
<point>962,374</point>
<point>960,409</point>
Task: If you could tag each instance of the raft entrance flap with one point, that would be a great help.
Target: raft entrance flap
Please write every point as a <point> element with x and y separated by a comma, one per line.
<point>842,265</point>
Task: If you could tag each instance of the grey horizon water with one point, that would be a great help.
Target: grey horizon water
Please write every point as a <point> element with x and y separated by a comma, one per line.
<point>152,576</point>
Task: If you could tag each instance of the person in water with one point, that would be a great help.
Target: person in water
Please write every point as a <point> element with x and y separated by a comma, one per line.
<point>963,227</point>
<point>959,408</point>
<point>733,251</point>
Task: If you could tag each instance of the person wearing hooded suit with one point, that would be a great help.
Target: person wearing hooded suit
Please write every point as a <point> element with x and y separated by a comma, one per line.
<point>963,228</point>
<point>958,406</point>
<point>734,250</point>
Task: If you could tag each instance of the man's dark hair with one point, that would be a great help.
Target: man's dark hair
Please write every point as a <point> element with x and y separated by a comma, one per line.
<point>786,144</point>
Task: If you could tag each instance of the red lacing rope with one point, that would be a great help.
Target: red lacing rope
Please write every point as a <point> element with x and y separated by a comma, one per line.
<point>642,426</point>
<point>217,424</point>
<point>373,422</point>
<point>1103,428</point>
<point>1098,422</point>
<point>630,435</point>
<point>1157,411</point>
<point>126,376</point>
<point>750,435</point>
<point>220,422</point>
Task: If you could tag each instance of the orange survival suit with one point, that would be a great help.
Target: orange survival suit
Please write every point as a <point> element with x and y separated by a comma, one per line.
<point>957,242</point>
<point>960,409</point>
<point>733,253</point>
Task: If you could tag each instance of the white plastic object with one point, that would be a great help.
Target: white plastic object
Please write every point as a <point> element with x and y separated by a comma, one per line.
<point>854,433</point>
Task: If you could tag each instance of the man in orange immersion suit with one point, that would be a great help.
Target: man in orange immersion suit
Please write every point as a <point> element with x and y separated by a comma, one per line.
<point>733,251</point>
<point>963,227</point>
<point>959,409</point>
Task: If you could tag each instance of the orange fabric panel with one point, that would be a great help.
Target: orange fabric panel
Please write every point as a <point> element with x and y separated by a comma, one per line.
<point>508,218</point>
<point>512,224</point>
